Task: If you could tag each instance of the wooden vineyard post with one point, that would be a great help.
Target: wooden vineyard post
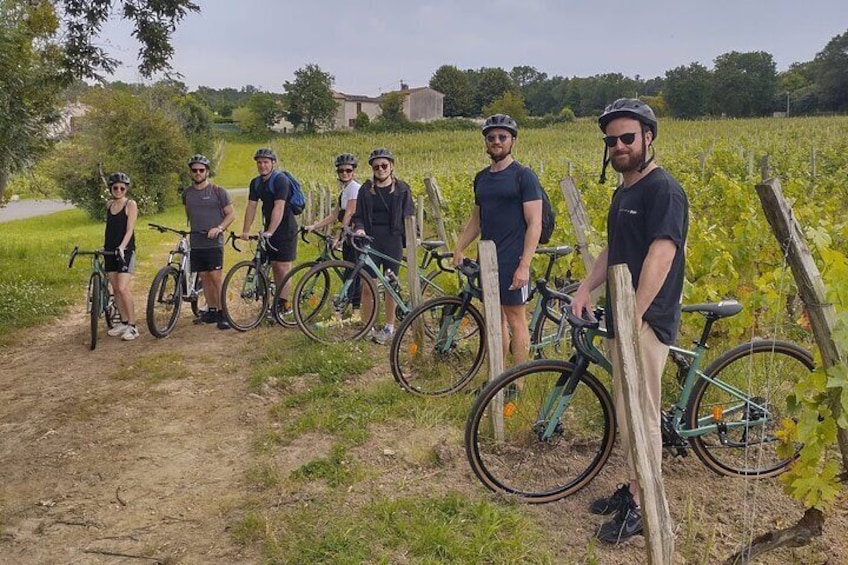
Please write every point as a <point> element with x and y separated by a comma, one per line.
<point>811,288</point>
<point>322,202</point>
<point>308,212</point>
<point>579,220</point>
<point>494,331</point>
<point>655,515</point>
<point>419,209</point>
<point>414,284</point>
<point>435,197</point>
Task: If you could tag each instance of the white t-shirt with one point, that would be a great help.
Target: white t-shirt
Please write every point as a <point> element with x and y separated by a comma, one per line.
<point>349,193</point>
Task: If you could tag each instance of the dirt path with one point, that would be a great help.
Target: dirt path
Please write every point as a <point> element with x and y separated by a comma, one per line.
<point>132,449</point>
<point>137,453</point>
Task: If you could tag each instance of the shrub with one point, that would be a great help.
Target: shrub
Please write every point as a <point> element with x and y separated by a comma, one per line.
<point>129,133</point>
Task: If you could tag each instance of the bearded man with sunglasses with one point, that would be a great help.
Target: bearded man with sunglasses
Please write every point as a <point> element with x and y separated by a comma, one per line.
<point>647,225</point>
<point>209,209</point>
<point>508,211</point>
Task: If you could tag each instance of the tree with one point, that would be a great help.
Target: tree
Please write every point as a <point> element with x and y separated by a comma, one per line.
<point>31,79</point>
<point>510,104</point>
<point>454,84</point>
<point>129,133</point>
<point>392,117</point>
<point>490,84</point>
<point>267,108</point>
<point>310,98</point>
<point>687,90</point>
<point>154,22</point>
<point>744,84</point>
<point>361,122</point>
<point>524,76</point>
<point>831,73</point>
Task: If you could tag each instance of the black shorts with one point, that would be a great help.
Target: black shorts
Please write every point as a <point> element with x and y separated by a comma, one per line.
<point>391,247</point>
<point>511,297</point>
<point>286,247</point>
<point>207,259</point>
<point>113,263</point>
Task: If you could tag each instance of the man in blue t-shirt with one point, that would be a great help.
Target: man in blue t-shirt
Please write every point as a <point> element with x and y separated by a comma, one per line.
<point>279,222</point>
<point>508,211</point>
<point>646,229</point>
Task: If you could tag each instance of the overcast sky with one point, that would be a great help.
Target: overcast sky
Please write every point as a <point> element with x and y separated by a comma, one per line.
<point>370,46</point>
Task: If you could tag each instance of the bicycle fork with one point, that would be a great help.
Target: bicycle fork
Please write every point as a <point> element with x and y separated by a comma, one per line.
<point>548,425</point>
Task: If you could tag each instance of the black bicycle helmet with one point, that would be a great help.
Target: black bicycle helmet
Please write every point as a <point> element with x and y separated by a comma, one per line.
<point>265,153</point>
<point>346,159</point>
<point>629,108</point>
<point>115,178</point>
<point>195,159</point>
<point>380,153</point>
<point>500,121</point>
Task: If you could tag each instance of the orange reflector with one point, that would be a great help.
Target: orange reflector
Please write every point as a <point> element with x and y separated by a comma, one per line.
<point>413,348</point>
<point>718,413</point>
<point>313,300</point>
<point>509,409</point>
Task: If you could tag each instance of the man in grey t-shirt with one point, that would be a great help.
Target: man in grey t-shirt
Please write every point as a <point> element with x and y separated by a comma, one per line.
<point>209,209</point>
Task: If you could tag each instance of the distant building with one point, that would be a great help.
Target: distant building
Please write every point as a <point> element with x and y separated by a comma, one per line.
<point>422,104</point>
<point>67,122</point>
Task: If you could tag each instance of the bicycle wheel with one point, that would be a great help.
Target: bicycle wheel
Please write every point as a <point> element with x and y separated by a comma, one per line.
<point>286,319</point>
<point>95,289</point>
<point>531,453</point>
<point>246,292</point>
<point>324,309</point>
<point>198,300</point>
<point>544,333</point>
<point>744,444</point>
<point>164,301</point>
<point>447,352</point>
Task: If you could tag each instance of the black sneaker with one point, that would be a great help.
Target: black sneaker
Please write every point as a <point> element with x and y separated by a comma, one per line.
<point>210,316</point>
<point>626,524</point>
<point>223,324</point>
<point>610,504</point>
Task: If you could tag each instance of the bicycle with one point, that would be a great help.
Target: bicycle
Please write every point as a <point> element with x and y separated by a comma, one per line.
<point>450,351</point>
<point>283,316</point>
<point>324,305</point>
<point>543,430</point>
<point>99,298</point>
<point>246,291</point>
<point>173,284</point>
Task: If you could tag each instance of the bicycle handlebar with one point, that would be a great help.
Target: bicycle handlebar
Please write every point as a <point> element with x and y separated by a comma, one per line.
<point>181,233</point>
<point>353,238</point>
<point>263,239</point>
<point>77,251</point>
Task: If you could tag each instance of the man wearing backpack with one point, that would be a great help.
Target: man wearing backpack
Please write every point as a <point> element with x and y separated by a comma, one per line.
<point>274,189</point>
<point>507,210</point>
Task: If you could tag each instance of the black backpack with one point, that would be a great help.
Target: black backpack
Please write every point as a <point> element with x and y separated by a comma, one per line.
<point>548,214</point>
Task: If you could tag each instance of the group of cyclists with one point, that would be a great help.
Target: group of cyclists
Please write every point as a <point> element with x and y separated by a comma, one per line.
<point>647,228</point>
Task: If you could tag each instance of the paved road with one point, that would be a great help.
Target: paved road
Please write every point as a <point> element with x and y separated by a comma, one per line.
<point>20,209</point>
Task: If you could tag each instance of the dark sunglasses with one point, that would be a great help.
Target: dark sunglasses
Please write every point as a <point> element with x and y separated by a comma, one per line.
<point>626,139</point>
<point>499,136</point>
<point>198,170</point>
<point>340,171</point>
<point>121,188</point>
<point>379,166</point>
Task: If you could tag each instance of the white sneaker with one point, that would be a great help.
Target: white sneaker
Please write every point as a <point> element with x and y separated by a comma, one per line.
<point>383,336</point>
<point>130,334</point>
<point>118,330</point>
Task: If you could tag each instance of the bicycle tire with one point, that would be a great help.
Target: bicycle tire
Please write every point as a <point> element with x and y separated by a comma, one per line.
<point>544,327</point>
<point>198,299</point>
<point>95,290</point>
<point>773,368</point>
<point>246,292</point>
<point>450,351</point>
<point>286,319</point>
<point>519,462</point>
<point>164,301</point>
<point>332,319</point>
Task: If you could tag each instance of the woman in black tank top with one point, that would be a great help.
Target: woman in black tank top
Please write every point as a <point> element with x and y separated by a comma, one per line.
<point>121,215</point>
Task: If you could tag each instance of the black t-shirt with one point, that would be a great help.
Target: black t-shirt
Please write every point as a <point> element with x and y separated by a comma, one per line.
<point>501,196</point>
<point>277,187</point>
<point>654,208</point>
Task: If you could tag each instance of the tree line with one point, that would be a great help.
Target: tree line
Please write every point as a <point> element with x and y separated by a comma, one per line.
<point>739,85</point>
